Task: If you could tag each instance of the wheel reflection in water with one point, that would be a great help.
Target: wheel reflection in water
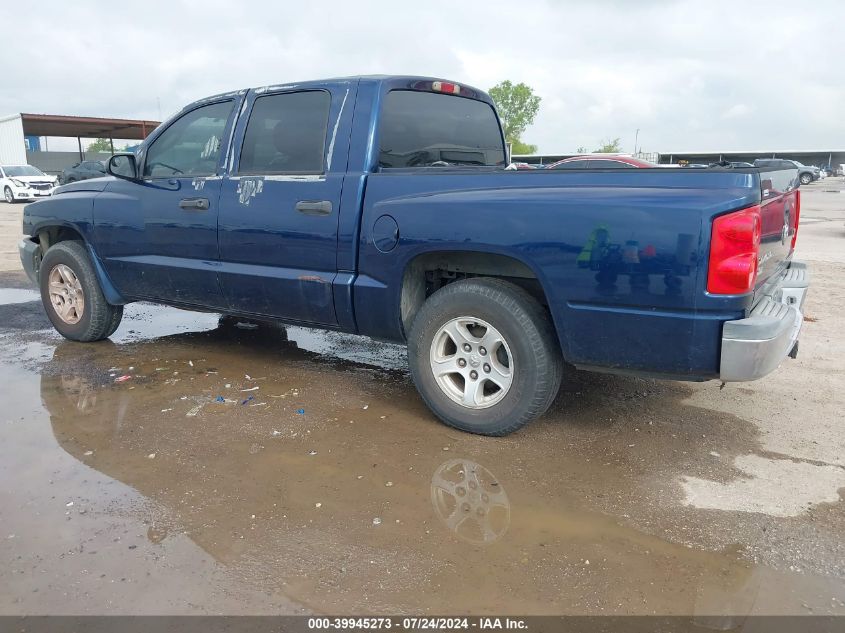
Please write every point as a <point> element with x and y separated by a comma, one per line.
<point>470,501</point>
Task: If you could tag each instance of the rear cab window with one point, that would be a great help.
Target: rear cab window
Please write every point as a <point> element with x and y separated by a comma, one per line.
<point>427,129</point>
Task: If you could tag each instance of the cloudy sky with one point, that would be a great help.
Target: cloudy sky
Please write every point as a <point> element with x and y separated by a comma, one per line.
<point>691,75</point>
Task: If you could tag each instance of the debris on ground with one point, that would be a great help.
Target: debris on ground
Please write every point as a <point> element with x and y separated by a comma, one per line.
<point>376,521</point>
<point>194,410</point>
<point>123,378</point>
<point>300,411</point>
<point>248,399</point>
<point>251,389</point>
<point>312,452</point>
<point>151,456</point>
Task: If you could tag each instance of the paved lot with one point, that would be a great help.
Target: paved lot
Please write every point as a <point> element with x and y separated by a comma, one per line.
<point>332,489</point>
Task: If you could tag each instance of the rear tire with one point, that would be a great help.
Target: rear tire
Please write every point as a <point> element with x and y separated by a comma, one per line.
<point>806,179</point>
<point>72,297</point>
<point>509,384</point>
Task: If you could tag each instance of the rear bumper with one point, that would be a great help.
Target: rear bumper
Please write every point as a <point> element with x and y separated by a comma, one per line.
<point>755,346</point>
<point>30,253</point>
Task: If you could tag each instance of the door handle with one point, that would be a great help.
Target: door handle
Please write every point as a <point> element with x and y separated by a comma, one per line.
<point>198,204</point>
<point>314,207</point>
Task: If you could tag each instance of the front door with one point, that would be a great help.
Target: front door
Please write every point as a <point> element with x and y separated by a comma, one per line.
<point>279,207</point>
<point>158,235</point>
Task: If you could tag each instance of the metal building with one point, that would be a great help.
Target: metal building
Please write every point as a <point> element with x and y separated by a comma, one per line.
<point>16,128</point>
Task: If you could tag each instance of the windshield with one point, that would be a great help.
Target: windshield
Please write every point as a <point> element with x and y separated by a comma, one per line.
<point>22,170</point>
<point>423,129</point>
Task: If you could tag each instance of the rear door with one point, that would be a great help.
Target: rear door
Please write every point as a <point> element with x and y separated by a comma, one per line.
<point>279,204</point>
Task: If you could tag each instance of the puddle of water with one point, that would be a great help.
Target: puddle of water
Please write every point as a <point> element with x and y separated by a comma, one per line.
<point>328,488</point>
<point>146,321</point>
<point>9,296</point>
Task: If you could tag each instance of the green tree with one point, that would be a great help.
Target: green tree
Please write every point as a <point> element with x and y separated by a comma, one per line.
<point>610,146</point>
<point>520,148</point>
<point>581,150</point>
<point>517,105</point>
<point>100,145</point>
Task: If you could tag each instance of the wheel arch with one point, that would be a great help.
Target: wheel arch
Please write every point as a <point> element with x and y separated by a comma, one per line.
<point>48,235</point>
<point>429,271</point>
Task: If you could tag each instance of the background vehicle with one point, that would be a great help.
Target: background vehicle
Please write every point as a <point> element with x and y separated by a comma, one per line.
<point>600,161</point>
<point>806,173</point>
<point>733,164</point>
<point>382,206</point>
<point>82,171</point>
<point>25,182</point>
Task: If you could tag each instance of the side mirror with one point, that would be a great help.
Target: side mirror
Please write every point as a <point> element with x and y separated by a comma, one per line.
<point>123,166</point>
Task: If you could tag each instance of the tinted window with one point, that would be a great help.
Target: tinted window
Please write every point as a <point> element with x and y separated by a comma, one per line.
<point>573,164</point>
<point>286,134</point>
<point>421,128</point>
<point>609,164</point>
<point>191,145</point>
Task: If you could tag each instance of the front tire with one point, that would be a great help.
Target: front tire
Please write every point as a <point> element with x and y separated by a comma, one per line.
<point>8,196</point>
<point>71,295</point>
<point>484,356</point>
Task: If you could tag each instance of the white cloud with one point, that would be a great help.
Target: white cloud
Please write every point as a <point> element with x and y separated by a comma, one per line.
<point>715,75</point>
<point>737,111</point>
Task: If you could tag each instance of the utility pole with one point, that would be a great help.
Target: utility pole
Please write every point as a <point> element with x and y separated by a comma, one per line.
<point>636,138</point>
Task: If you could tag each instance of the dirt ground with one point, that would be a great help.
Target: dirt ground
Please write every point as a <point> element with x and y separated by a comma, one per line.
<point>277,470</point>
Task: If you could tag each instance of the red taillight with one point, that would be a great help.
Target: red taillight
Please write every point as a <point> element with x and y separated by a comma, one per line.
<point>797,216</point>
<point>734,249</point>
<point>445,86</point>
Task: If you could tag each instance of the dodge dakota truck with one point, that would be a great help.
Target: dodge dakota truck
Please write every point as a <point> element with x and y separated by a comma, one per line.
<point>384,206</point>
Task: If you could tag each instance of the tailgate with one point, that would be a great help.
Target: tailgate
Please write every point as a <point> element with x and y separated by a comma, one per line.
<point>779,210</point>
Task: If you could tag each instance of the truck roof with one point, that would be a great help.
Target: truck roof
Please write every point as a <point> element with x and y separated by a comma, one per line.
<point>394,80</point>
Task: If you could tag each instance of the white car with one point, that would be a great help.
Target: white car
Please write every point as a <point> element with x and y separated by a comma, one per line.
<point>25,182</point>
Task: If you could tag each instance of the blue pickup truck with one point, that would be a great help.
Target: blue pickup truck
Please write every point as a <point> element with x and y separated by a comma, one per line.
<point>384,206</point>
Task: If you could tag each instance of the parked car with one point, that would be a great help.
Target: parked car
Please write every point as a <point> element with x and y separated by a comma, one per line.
<point>806,173</point>
<point>382,206</point>
<point>600,161</point>
<point>83,171</point>
<point>733,164</point>
<point>25,182</point>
